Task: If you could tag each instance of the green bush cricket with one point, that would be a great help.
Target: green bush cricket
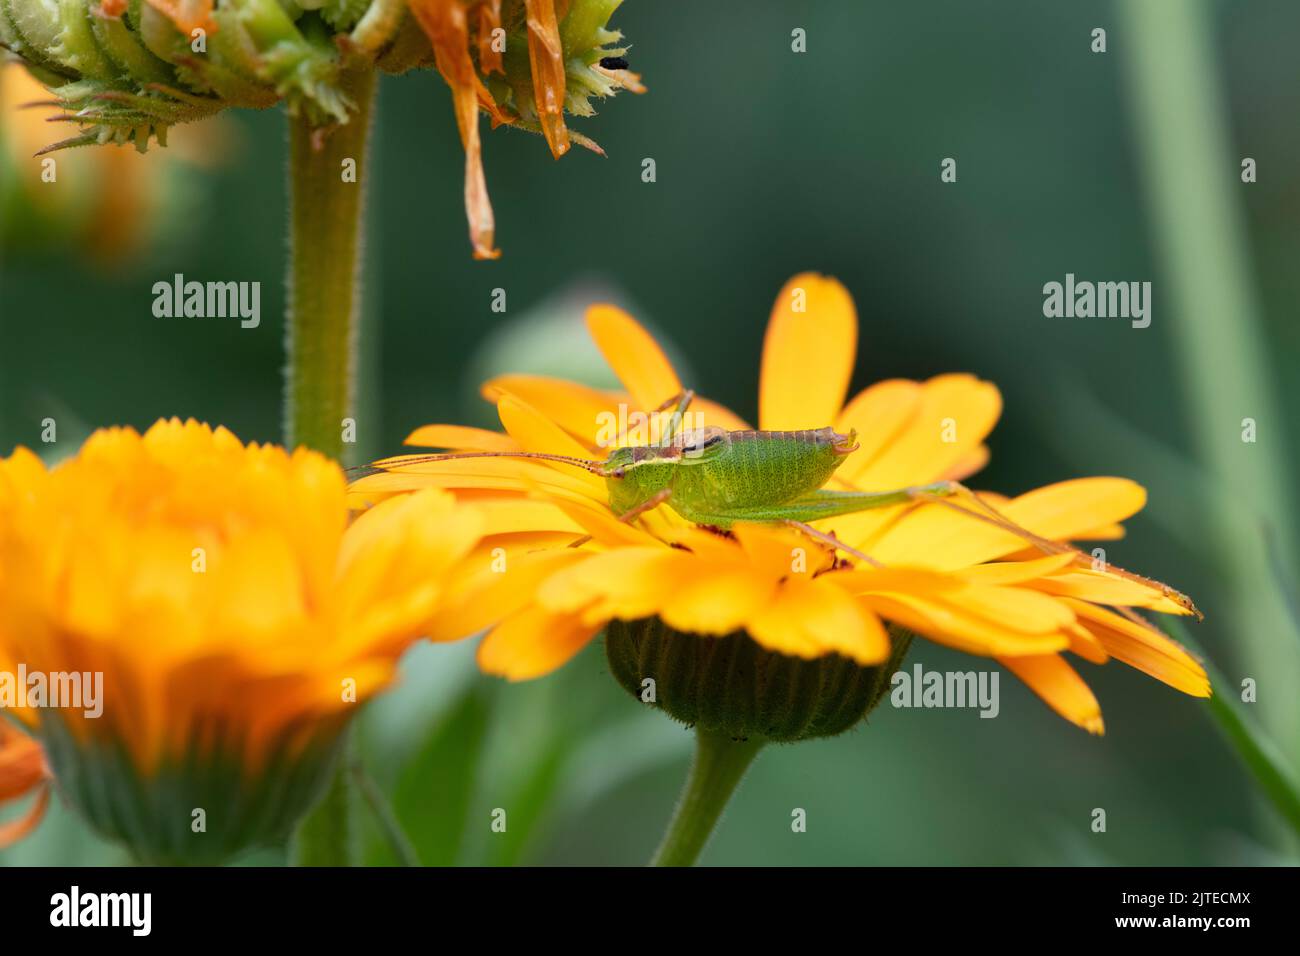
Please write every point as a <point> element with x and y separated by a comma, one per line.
<point>715,478</point>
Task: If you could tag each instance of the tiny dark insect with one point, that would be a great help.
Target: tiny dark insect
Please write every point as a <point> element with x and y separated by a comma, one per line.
<point>613,62</point>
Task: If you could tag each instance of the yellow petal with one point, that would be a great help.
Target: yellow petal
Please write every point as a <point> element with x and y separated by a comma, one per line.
<point>1057,683</point>
<point>1145,648</point>
<point>717,601</point>
<point>1102,588</point>
<point>939,536</point>
<point>461,438</point>
<point>811,618</point>
<point>628,583</point>
<point>533,643</point>
<point>953,417</point>
<point>634,355</point>
<point>578,409</point>
<point>879,414</point>
<point>951,625</point>
<point>808,354</point>
<point>1016,572</point>
<point>521,515</point>
<point>488,588</point>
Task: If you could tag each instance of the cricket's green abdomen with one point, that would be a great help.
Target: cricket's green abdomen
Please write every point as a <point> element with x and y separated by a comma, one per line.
<point>760,468</point>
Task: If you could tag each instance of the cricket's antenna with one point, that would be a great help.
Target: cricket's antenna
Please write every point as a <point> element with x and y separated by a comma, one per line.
<point>1047,546</point>
<point>400,461</point>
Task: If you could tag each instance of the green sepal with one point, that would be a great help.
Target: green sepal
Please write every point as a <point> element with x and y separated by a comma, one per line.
<point>733,686</point>
<point>153,813</point>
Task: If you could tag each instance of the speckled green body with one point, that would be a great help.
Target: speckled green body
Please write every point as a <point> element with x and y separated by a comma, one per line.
<point>728,473</point>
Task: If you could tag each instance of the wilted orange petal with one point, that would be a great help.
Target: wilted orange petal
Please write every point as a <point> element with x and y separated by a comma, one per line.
<point>808,354</point>
<point>1057,683</point>
<point>546,56</point>
<point>187,15</point>
<point>489,19</point>
<point>446,25</point>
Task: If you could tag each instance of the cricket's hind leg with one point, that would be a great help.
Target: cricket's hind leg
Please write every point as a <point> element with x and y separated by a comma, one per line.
<point>991,515</point>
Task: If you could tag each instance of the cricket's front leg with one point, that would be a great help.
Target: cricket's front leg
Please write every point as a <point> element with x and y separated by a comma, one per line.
<point>654,501</point>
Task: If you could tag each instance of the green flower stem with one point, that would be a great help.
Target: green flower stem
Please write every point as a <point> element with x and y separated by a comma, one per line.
<point>325,230</point>
<point>1216,326</point>
<point>385,816</point>
<point>325,221</point>
<point>720,762</point>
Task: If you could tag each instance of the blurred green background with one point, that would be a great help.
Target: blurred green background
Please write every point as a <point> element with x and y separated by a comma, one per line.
<point>768,163</point>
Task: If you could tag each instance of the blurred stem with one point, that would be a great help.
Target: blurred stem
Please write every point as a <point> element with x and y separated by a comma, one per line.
<point>325,229</point>
<point>324,836</point>
<point>1192,176</point>
<point>325,223</point>
<point>719,764</point>
<point>1256,752</point>
<point>383,813</point>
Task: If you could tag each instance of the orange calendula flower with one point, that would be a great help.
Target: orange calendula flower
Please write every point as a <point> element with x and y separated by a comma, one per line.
<point>987,575</point>
<point>22,773</point>
<point>222,617</point>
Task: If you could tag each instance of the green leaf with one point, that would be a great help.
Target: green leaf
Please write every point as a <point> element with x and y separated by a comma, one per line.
<point>433,793</point>
<point>1273,776</point>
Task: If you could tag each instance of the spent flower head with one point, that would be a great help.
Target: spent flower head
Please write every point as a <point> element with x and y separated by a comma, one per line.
<point>126,71</point>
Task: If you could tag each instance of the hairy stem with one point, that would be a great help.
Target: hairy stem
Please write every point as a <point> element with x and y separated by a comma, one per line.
<point>327,198</point>
<point>720,762</point>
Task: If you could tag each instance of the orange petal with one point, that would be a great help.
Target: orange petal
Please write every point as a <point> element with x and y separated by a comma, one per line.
<point>187,15</point>
<point>489,19</point>
<point>15,830</point>
<point>634,355</point>
<point>1060,686</point>
<point>1145,648</point>
<point>808,354</point>
<point>447,27</point>
<point>546,57</point>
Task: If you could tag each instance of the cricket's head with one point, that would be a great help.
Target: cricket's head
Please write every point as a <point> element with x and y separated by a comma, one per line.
<point>637,473</point>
